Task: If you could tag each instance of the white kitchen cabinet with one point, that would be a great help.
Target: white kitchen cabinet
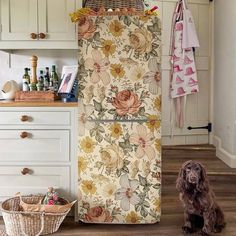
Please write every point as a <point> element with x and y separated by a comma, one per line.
<point>38,24</point>
<point>36,181</point>
<point>31,117</point>
<point>54,19</point>
<point>38,148</point>
<point>35,145</point>
<point>19,19</point>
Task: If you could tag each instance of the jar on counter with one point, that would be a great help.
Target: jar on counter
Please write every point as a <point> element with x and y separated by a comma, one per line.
<point>39,87</point>
<point>32,87</point>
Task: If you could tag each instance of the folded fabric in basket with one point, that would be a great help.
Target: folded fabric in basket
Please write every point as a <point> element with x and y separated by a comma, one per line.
<point>38,207</point>
<point>46,208</point>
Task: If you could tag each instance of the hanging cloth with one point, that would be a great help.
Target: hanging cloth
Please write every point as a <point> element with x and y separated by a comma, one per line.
<point>183,74</point>
<point>190,39</point>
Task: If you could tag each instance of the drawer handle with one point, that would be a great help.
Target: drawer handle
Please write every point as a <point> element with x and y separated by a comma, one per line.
<point>25,171</point>
<point>42,36</point>
<point>24,118</point>
<point>33,36</point>
<point>24,135</point>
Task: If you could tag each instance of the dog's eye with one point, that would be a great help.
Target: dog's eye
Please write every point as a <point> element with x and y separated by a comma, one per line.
<point>197,169</point>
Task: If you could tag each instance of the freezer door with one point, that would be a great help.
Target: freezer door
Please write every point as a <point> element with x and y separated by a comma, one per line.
<point>120,173</point>
<point>120,66</point>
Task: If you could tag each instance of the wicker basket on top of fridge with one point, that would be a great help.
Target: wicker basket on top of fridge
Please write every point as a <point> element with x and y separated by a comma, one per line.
<point>115,4</point>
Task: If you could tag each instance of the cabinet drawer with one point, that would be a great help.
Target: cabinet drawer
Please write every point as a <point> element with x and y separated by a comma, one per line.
<point>34,118</point>
<point>36,181</point>
<point>35,145</point>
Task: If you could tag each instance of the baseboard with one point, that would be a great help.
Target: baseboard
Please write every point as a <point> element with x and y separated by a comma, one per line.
<point>191,147</point>
<point>221,153</point>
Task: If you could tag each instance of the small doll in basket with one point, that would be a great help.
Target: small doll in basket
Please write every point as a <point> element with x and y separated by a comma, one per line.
<point>51,197</point>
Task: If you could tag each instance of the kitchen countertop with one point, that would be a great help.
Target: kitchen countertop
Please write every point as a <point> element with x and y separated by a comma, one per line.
<point>12,103</point>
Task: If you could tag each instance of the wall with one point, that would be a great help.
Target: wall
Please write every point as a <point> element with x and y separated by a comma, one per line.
<point>225,81</point>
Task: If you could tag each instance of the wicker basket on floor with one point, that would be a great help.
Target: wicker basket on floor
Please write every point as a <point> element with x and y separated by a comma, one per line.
<point>19,223</point>
<point>113,4</point>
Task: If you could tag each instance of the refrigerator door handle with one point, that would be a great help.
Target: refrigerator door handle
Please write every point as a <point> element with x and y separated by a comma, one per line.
<point>120,121</point>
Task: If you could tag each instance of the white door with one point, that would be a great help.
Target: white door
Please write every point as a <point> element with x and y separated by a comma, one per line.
<point>19,19</point>
<point>54,19</point>
<point>198,105</point>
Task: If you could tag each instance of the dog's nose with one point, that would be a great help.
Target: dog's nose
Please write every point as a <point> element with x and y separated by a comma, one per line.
<point>193,178</point>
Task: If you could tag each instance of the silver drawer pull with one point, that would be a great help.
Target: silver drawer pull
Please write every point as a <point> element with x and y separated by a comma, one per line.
<point>25,171</point>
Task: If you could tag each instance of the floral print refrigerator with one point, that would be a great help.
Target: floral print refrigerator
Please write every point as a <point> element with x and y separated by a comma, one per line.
<point>119,143</point>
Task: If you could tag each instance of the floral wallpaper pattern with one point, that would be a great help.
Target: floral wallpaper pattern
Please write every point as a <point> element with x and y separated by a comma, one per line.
<point>119,162</point>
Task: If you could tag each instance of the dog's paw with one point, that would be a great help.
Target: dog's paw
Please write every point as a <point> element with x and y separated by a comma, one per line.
<point>187,230</point>
<point>202,233</point>
<point>218,228</point>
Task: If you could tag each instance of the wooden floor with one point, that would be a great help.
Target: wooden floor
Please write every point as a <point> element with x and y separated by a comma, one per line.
<point>222,179</point>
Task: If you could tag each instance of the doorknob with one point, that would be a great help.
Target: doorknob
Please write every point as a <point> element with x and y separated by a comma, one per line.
<point>25,171</point>
<point>33,36</point>
<point>24,135</point>
<point>42,36</point>
<point>24,118</point>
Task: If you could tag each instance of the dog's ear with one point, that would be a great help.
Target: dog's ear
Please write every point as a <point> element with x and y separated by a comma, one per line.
<point>180,182</point>
<point>203,185</point>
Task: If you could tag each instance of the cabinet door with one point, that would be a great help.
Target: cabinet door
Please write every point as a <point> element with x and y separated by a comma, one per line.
<point>36,181</point>
<point>32,118</point>
<point>54,19</point>
<point>19,19</point>
<point>34,145</point>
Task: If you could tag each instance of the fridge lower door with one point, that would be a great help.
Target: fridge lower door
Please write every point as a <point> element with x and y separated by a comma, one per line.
<point>120,173</point>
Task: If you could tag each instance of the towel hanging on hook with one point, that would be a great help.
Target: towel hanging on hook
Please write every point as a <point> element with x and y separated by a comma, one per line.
<point>184,74</point>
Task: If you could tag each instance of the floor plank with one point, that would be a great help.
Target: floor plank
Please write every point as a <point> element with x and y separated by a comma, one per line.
<point>173,159</point>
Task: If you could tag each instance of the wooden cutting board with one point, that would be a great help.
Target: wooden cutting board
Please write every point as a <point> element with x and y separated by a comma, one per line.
<point>35,96</point>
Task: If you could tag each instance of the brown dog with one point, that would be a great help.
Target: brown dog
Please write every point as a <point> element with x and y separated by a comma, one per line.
<point>200,208</point>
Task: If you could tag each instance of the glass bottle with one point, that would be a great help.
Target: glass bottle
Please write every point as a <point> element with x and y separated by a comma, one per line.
<point>40,80</point>
<point>33,87</point>
<point>39,85</point>
<point>55,79</point>
<point>25,87</point>
<point>47,74</point>
<point>45,83</point>
<point>26,76</point>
